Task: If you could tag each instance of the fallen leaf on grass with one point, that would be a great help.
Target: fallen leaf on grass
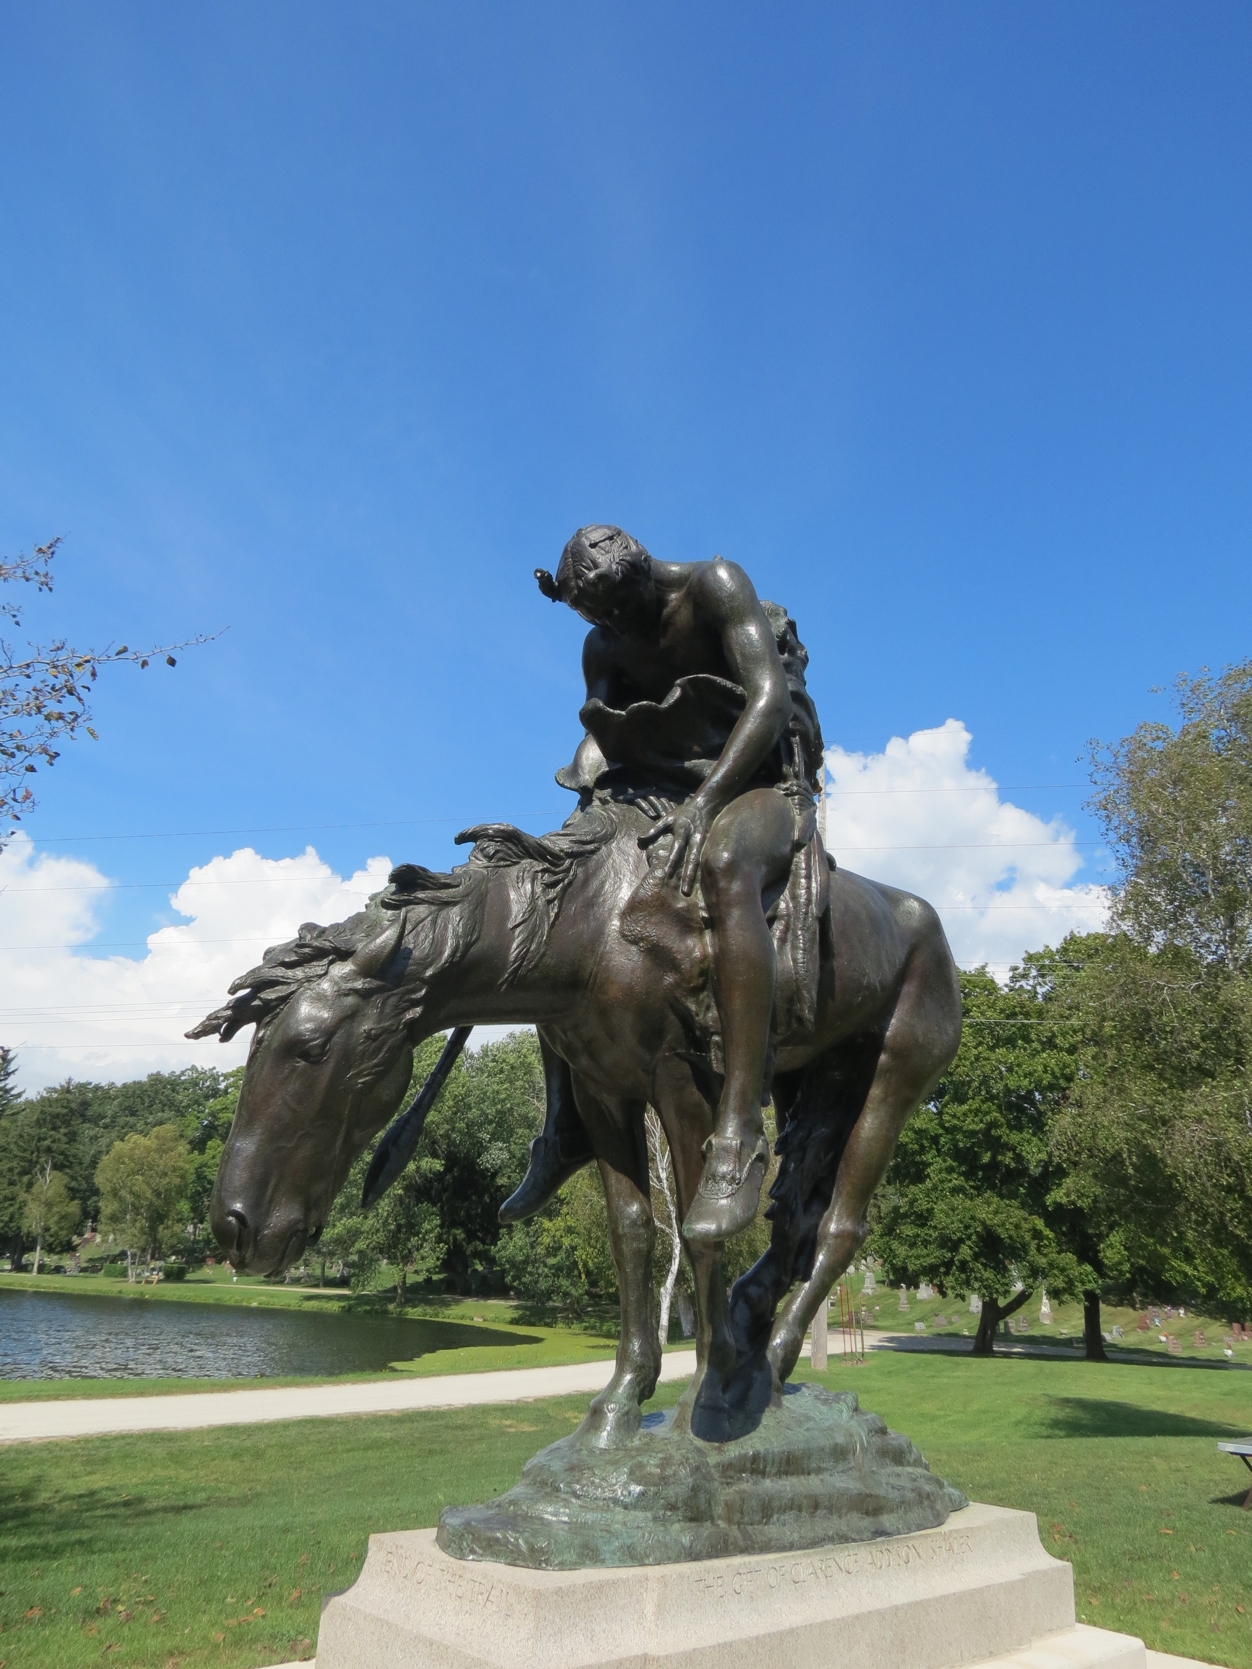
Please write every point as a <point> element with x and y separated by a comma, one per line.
<point>293,1596</point>
<point>74,1591</point>
<point>35,1611</point>
<point>218,1638</point>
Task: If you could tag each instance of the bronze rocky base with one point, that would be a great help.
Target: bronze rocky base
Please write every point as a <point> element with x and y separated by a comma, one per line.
<point>814,1472</point>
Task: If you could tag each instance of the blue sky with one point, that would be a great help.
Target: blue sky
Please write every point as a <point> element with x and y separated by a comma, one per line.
<point>328,323</point>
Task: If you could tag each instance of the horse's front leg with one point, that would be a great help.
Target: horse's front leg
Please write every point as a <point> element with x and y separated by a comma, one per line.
<point>618,1136</point>
<point>687,1119</point>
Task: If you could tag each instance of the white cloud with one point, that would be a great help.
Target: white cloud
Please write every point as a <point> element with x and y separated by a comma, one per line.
<point>918,816</point>
<point>68,1013</point>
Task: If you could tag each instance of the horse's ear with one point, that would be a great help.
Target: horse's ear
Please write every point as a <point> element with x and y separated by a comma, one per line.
<point>369,960</point>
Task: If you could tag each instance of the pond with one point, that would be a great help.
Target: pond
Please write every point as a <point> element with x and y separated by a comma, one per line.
<point>63,1336</point>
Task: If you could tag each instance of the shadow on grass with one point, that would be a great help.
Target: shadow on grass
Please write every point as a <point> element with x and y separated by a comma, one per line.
<point>51,1525</point>
<point>1093,1417</point>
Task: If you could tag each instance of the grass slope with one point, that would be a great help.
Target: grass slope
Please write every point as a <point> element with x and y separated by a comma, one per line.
<point>173,1550</point>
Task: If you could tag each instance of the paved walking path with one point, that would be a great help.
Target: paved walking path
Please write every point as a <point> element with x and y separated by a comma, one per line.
<point>33,1422</point>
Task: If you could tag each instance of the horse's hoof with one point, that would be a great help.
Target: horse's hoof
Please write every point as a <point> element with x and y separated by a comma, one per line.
<point>610,1426</point>
<point>730,1189</point>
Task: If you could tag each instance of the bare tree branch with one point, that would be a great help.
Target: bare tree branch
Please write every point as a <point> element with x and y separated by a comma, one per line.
<point>45,694</point>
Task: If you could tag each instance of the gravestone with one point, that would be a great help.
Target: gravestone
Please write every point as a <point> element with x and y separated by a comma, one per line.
<point>975,1304</point>
<point>869,1286</point>
<point>1045,1310</point>
<point>904,1299</point>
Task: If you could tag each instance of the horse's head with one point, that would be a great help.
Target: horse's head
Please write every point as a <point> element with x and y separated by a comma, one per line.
<point>328,1066</point>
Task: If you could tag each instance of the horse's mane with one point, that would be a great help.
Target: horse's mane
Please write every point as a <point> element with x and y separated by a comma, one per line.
<point>442,917</point>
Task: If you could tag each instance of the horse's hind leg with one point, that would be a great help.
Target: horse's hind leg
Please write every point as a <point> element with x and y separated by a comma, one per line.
<point>920,1042</point>
<point>617,1134</point>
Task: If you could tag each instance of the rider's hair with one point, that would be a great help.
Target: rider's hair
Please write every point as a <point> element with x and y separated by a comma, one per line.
<point>599,559</point>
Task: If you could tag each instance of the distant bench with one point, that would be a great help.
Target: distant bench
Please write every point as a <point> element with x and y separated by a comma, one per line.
<point>1242,1448</point>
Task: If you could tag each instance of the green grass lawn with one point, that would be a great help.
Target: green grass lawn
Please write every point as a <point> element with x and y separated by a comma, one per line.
<point>169,1550</point>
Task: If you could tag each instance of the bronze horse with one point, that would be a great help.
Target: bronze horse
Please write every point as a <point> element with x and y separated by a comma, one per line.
<point>577,935</point>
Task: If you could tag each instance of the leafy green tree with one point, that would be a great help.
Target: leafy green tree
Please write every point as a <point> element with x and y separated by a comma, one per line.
<point>1157,1141</point>
<point>477,1145</point>
<point>561,1260</point>
<point>966,1202</point>
<point>1154,1143</point>
<point>400,1231</point>
<point>49,1215</point>
<point>1176,805</point>
<point>142,1182</point>
<point>10,1095</point>
<point>75,1124</point>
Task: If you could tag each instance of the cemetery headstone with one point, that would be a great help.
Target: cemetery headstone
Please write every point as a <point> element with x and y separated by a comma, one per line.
<point>975,1304</point>
<point>1045,1310</point>
<point>904,1299</point>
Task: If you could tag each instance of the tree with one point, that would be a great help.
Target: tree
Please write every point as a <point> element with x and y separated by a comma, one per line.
<point>477,1139</point>
<point>49,1215</point>
<point>10,1095</point>
<point>561,1260</point>
<point>1176,806</point>
<point>664,1194</point>
<point>45,695</point>
<point>75,1124</point>
<point>965,1204</point>
<point>142,1181</point>
<point>401,1230</point>
<point>1154,1142</point>
<point>1158,1140</point>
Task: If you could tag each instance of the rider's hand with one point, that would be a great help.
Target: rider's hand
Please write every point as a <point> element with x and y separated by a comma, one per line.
<point>689,824</point>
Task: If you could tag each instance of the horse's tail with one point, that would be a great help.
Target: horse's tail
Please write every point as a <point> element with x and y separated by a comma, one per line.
<point>817,1107</point>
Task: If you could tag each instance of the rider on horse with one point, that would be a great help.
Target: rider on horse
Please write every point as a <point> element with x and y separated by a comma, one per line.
<point>695,696</point>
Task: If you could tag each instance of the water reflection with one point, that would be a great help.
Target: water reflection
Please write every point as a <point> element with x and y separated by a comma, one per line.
<point>63,1336</point>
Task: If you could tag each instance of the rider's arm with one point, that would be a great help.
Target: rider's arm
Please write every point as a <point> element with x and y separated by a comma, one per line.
<point>729,603</point>
<point>588,761</point>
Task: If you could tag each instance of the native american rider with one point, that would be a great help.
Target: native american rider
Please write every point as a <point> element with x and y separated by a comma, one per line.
<point>696,695</point>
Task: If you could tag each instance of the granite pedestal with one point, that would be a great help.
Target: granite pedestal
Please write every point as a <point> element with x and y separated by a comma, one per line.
<point>979,1589</point>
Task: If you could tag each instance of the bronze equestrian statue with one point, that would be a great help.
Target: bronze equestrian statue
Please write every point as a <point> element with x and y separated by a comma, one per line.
<point>682,942</point>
